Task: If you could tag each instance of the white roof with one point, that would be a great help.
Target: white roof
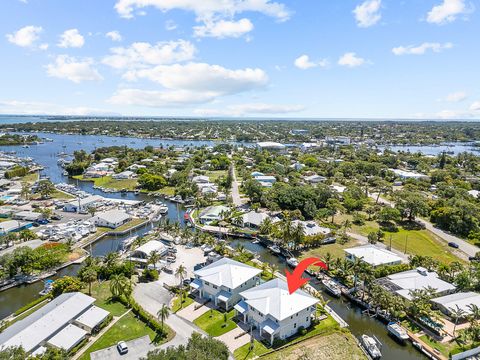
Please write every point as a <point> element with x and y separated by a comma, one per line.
<point>270,144</point>
<point>374,255</point>
<point>311,228</point>
<point>462,299</point>
<point>68,337</point>
<point>113,216</point>
<point>274,298</point>
<point>152,245</point>
<point>92,317</point>
<point>227,272</point>
<point>474,193</point>
<point>417,279</point>
<point>46,321</point>
<point>88,200</point>
<point>256,218</point>
<point>265,177</point>
<point>408,174</point>
<point>213,211</point>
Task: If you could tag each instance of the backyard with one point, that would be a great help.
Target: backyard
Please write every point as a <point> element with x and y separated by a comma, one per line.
<point>213,322</point>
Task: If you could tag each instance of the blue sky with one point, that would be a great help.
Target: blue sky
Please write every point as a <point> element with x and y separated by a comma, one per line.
<point>258,58</point>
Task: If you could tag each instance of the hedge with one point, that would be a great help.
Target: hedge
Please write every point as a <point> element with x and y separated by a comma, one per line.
<point>32,304</point>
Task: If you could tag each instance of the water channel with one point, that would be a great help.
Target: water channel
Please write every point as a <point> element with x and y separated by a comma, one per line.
<point>46,155</point>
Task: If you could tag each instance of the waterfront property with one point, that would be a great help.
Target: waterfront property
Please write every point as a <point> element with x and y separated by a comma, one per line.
<point>452,302</point>
<point>111,218</point>
<point>223,280</point>
<point>254,219</point>
<point>82,205</point>
<point>13,226</point>
<point>271,146</point>
<point>64,323</point>
<point>372,255</point>
<point>311,228</point>
<point>212,213</point>
<point>141,254</point>
<point>274,311</point>
<point>403,283</point>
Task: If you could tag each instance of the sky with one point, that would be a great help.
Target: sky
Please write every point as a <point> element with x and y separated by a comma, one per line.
<point>382,59</point>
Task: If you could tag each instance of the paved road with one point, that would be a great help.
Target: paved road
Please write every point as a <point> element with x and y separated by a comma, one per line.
<point>137,349</point>
<point>151,296</point>
<point>31,244</point>
<point>236,198</point>
<point>464,246</point>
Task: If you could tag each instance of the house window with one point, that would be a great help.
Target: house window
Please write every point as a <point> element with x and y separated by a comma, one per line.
<point>291,317</point>
<point>307,318</point>
<point>295,325</point>
<point>207,283</point>
<point>296,314</point>
<point>214,286</point>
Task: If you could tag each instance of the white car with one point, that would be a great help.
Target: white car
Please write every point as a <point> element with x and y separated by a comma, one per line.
<point>122,347</point>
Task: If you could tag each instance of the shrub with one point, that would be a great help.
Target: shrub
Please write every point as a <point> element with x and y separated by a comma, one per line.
<point>150,275</point>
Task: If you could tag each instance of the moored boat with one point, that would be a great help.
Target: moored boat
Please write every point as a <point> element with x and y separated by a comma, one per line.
<point>332,287</point>
<point>47,288</point>
<point>275,249</point>
<point>397,331</point>
<point>292,262</point>
<point>370,344</point>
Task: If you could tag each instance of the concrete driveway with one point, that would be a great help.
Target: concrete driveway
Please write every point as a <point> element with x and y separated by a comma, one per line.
<point>137,349</point>
<point>231,341</point>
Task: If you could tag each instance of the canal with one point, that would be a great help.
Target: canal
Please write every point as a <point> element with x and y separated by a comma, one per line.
<point>47,155</point>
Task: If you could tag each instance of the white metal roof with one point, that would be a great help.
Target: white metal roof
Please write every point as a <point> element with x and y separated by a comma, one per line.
<point>274,298</point>
<point>113,216</point>
<point>227,272</point>
<point>152,245</point>
<point>311,228</point>
<point>46,321</point>
<point>417,279</point>
<point>92,317</point>
<point>68,337</point>
<point>270,144</point>
<point>374,255</point>
<point>462,299</point>
<point>256,218</point>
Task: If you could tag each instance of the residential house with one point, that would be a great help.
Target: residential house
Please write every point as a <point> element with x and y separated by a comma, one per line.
<point>373,255</point>
<point>124,175</point>
<point>81,205</point>
<point>223,280</point>
<point>462,300</point>
<point>212,213</point>
<point>274,311</point>
<point>271,146</point>
<point>111,218</point>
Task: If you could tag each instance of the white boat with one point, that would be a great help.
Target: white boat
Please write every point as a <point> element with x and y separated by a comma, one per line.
<point>26,146</point>
<point>275,249</point>
<point>370,344</point>
<point>332,287</point>
<point>65,173</point>
<point>47,288</point>
<point>163,209</point>
<point>292,262</point>
<point>398,331</point>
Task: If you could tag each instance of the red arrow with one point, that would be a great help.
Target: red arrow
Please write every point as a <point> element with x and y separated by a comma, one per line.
<point>295,279</point>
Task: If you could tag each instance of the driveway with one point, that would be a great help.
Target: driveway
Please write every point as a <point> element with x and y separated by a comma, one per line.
<point>190,313</point>
<point>231,341</point>
<point>137,349</point>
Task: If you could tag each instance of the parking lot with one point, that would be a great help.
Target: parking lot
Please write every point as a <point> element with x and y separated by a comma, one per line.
<point>137,349</point>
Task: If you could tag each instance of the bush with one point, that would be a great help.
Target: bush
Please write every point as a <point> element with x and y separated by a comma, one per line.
<point>302,331</point>
<point>150,275</point>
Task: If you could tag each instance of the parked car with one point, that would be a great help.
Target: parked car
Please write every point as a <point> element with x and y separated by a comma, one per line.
<point>56,217</point>
<point>187,282</point>
<point>453,245</point>
<point>43,221</point>
<point>122,347</point>
<point>473,258</point>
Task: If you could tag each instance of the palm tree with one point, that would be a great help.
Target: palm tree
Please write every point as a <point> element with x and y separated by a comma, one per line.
<point>273,269</point>
<point>89,275</point>
<point>120,285</point>
<point>181,273</point>
<point>154,258</point>
<point>92,210</point>
<point>297,234</point>
<point>163,314</point>
<point>456,313</point>
<point>111,259</point>
<point>266,226</point>
<point>25,192</point>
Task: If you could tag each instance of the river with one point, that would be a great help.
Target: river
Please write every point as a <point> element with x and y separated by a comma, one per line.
<point>46,155</point>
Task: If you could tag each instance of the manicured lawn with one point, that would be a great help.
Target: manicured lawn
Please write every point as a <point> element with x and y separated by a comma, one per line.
<point>167,190</point>
<point>109,183</point>
<point>212,322</point>
<point>179,303</point>
<point>335,250</point>
<point>31,178</point>
<point>101,292</point>
<point>214,175</point>
<point>130,224</point>
<point>127,328</point>
<point>61,195</point>
<point>244,352</point>
<point>444,348</point>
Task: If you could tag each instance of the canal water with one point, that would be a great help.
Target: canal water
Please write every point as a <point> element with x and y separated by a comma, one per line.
<point>46,155</point>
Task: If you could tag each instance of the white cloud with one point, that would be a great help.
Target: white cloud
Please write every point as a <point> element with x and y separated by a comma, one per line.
<point>447,11</point>
<point>192,83</point>
<point>207,9</point>
<point>421,49</point>
<point>303,62</point>
<point>223,28</point>
<point>251,109</point>
<point>155,98</point>
<point>170,25</point>
<point>43,108</point>
<point>114,35</point>
<point>351,60</point>
<point>70,68</point>
<point>368,13</point>
<point>475,106</point>
<point>43,46</point>
<point>456,96</point>
<point>202,77</point>
<point>453,114</point>
<point>71,39</point>
<point>26,36</point>
<point>142,54</point>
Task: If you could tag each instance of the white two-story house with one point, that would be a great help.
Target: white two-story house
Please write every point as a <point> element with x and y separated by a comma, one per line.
<point>223,280</point>
<point>275,312</point>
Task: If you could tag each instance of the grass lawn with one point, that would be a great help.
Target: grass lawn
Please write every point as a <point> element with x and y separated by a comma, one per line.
<point>419,242</point>
<point>127,328</point>
<point>62,195</point>
<point>215,325</point>
<point>109,183</point>
<point>244,352</point>
<point>167,190</point>
<point>214,175</point>
<point>130,224</point>
<point>179,303</point>
<point>31,177</point>
<point>336,250</point>
<point>444,348</point>
<point>101,292</point>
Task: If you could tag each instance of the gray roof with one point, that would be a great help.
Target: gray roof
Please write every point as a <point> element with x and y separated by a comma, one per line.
<point>92,317</point>
<point>113,216</point>
<point>68,337</point>
<point>46,321</point>
<point>462,299</point>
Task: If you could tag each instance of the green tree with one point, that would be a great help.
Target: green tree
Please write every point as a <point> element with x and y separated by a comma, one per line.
<point>66,284</point>
<point>163,315</point>
<point>181,273</point>
<point>45,188</point>
<point>89,276</point>
<point>120,285</point>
